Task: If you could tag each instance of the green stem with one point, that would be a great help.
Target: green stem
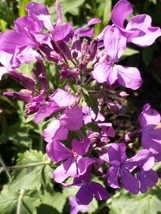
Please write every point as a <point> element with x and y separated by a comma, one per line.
<point>22,191</point>
<point>4,168</point>
<point>41,141</point>
<point>25,166</point>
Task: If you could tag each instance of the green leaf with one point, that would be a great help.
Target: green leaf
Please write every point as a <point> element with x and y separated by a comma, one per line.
<point>37,175</point>
<point>56,200</point>
<point>91,100</point>
<point>124,202</point>
<point>107,12</point>
<point>153,1</point>
<point>9,201</point>
<point>22,6</point>
<point>129,52</point>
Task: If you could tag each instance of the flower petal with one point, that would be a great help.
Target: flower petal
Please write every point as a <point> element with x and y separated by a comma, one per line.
<point>128,77</point>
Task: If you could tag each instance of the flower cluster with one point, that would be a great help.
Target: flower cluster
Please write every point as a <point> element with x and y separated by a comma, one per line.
<point>80,139</point>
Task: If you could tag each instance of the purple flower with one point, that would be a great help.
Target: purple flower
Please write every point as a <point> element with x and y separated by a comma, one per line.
<point>138,29</point>
<point>89,189</point>
<point>90,116</point>
<point>103,136</point>
<point>107,71</point>
<point>74,162</point>
<point>121,166</point>
<point>151,131</point>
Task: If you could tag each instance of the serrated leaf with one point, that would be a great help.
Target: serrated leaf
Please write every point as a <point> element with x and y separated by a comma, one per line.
<point>37,175</point>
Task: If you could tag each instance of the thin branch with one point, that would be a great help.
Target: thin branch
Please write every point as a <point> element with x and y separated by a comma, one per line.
<point>9,168</point>
<point>4,168</point>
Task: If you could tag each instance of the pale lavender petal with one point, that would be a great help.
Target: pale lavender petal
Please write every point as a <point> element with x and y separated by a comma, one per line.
<point>147,179</point>
<point>85,30</point>
<point>143,159</point>
<point>107,129</point>
<point>128,77</point>
<point>65,170</point>
<point>149,116</point>
<point>151,139</point>
<point>103,72</point>
<point>112,177</point>
<point>120,12</point>
<point>45,111</point>
<point>55,131</point>
<point>114,43</point>
<point>81,147</point>
<point>148,34</point>
<point>39,11</point>
<point>63,98</point>
<point>28,23</point>
<point>75,207</point>
<point>11,39</point>
<point>61,31</point>
<point>72,118</point>
<point>58,152</point>
<point>84,195</point>
<point>129,182</point>
<point>149,38</point>
<point>99,191</point>
<point>23,95</point>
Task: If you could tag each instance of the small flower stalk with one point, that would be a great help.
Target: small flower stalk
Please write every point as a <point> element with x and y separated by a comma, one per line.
<point>80,138</point>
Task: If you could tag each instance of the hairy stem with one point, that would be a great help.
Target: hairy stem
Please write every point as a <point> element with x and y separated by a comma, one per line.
<point>9,168</point>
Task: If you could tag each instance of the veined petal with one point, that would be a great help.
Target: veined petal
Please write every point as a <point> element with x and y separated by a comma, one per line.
<point>81,147</point>
<point>130,183</point>
<point>149,116</point>
<point>58,152</point>
<point>114,43</point>
<point>72,118</point>
<point>99,191</point>
<point>128,77</point>
<point>83,164</point>
<point>55,131</point>
<point>40,12</point>
<point>62,98</point>
<point>84,195</point>
<point>103,72</point>
<point>65,170</point>
<point>147,35</point>
<point>147,179</point>
<point>120,12</point>
<point>45,111</point>
<point>61,31</point>
<point>112,177</point>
